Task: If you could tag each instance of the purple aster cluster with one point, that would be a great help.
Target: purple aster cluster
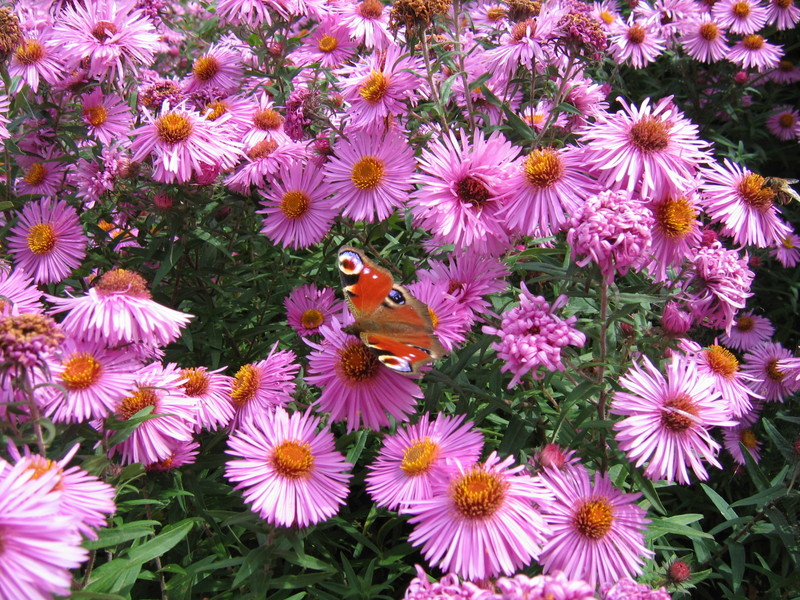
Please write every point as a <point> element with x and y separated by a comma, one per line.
<point>627,589</point>
<point>27,339</point>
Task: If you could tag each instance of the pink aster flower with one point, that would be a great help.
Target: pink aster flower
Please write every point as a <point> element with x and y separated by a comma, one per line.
<point>90,378</point>
<point>308,307</point>
<point>449,587</point>
<point>484,521</point>
<point>783,123</point>
<point>637,42</point>
<point>47,241</point>
<point>265,159</point>
<point>155,439</point>
<point>627,589</point>
<point>118,309</point>
<point>650,148</point>
<point>451,319</point>
<point>183,144</point>
<point>367,22</point>
<point>543,188</point>
<point>748,331</point>
<point>788,251</point>
<point>37,539</point>
<point>718,285</point>
<point>183,453</point>
<point>741,434</point>
<point>264,122</point>
<point>18,293</point>
<point>356,387</point>
<point>219,69</point>
<point>612,230</point>
<point>555,586</point>
<point>43,175</point>
<point>532,336</point>
<point>298,207</point>
<point>412,460</point>
<point>263,385</point>
<point>769,378</point>
<point>111,36</point>
<point>676,230</point>
<point>27,341</point>
<point>704,39</point>
<point>107,116</point>
<point>381,86</point>
<point>740,200</point>
<point>291,474</point>
<point>529,43</point>
<point>597,530</point>
<point>211,393</point>
<point>784,14</point>
<point>668,418</point>
<point>35,58</point>
<point>740,16</point>
<point>5,104</point>
<point>370,175</point>
<point>98,176</point>
<point>461,194</point>
<point>754,51</point>
<point>254,13</point>
<point>329,44</point>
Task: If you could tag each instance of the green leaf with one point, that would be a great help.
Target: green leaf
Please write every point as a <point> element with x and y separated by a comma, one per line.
<point>125,532</point>
<point>722,506</point>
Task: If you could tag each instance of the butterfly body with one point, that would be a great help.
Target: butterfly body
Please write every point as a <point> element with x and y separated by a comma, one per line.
<point>388,319</point>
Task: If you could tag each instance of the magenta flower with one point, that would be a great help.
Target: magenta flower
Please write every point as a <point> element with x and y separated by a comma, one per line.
<point>47,240</point>
<point>183,453</point>
<point>291,474</point>
<point>43,175</point>
<point>307,308</point>
<point>613,230</point>
<point>211,393</point>
<point>652,149</point>
<point>770,378</point>
<point>597,530</point>
<point>783,14</point>
<point>783,123</point>
<point>529,43</point>
<point>329,44</point>
<point>447,588</point>
<point>637,42</point>
<point>370,175</point>
<point>627,589</point>
<point>555,586</point>
<point>265,159</point>
<point>35,58</point>
<point>485,521</point>
<point>754,51</point>
<point>18,294</point>
<point>356,387</point>
<point>668,418</point>
<point>531,336</point>
<point>107,116</point>
<point>731,382</point>
<point>676,230</point>
<point>787,253</point>
<point>704,39</point>
<point>740,16</point>
<point>413,461</point>
<point>263,122</point>
<point>367,21</point>
<point>451,319</point>
<point>219,69</point>
<point>748,331</point>
<point>741,434</point>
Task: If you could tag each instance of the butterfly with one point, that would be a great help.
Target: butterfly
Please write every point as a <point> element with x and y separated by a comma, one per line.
<point>389,320</point>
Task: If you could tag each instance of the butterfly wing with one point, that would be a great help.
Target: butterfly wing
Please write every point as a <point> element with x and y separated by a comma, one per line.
<point>365,284</point>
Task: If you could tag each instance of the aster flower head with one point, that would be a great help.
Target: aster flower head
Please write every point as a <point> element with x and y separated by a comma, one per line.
<point>265,160</point>
<point>628,589</point>
<point>676,230</point>
<point>356,387</point>
<point>413,460</point>
<point>732,383</point>
<point>748,331</point>
<point>27,340</point>
<point>329,44</point>
<point>484,521</point>
<point>47,241</point>
<point>740,16</point>
<point>754,51</point>
<point>260,386</point>
<point>368,23</point>
<point>704,39</point>
<point>370,175</point>
<point>291,474</point>
<point>528,42</point>
<point>451,319</point>
<point>460,195</point>
<point>43,175</point>
<point>597,530</point>
<point>449,587</point>
<point>211,392</point>
<point>651,149</point>
<point>613,230</point>
<point>35,58</point>
<point>308,308</point>
<point>106,116</point>
<point>637,42</point>
<point>667,419</point>
<point>742,434</point>
<point>118,309</point>
<point>18,294</point>
<point>532,336</point>
<point>767,365</point>
<point>219,68</point>
<point>784,14</point>
<point>784,123</point>
<point>787,253</point>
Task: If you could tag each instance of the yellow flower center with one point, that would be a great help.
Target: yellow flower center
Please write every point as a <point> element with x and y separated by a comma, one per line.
<point>357,363</point>
<point>709,31</point>
<point>478,494</point>
<point>36,174</point>
<point>543,168</point>
<point>675,216</point>
<point>755,193</point>
<point>133,404</point>
<point>95,115</point>
<point>327,43</point>
<point>787,243</point>
<point>722,361</point>
<point>741,9</point>
<point>295,204</point>
<point>205,68</point>
<point>367,173</point>
<point>41,238</point>
<point>245,384</point>
<point>81,370</point>
<point>375,87</point>
<point>29,52</point>
<point>215,109</point>
<point>753,41</point>
<point>594,518</point>
<point>173,128</point>
<point>196,383</point>
<point>293,460</point>
<point>419,458</point>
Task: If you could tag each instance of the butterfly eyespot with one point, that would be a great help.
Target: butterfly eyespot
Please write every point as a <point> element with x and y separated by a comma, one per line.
<point>350,263</point>
<point>395,363</point>
<point>396,297</point>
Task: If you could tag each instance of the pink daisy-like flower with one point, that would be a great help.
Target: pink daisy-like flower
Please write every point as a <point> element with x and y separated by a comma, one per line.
<point>91,379</point>
<point>35,58</point>
<point>381,86</point>
<point>27,341</point>
<point>40,546</point>
<point>84,497</point>
<point>370,175</point>
<point>784,14</point>
<point>733,436</point>
<point>94,178</point>
<point>183,144</point>
<point>291,474</point>
<point>483,522</point>
<point>769,378</point>
<point>637,42</point>
<point>368,23</point>
<point>413,460</point>
<point>329,45</point>
<point>108,35</point>
<point>260,386</point>
<point>676,230</point>
<point>264,160</point>
<point>543,186</point>
<point>743,203</point>
<point>627,589</point>
<point>612,230</point>
<point>47,241</point>
<point>556,586</point>
<point>254,13</point>
<point>754,51</point>
<point>654,149</point>
<point>155,439</point>
<point>528,43</point>
<point>44,176</point>
<point>597,530</point>
<point>218,69</point>
<point>451,319</point>
<point>461,194</point>
<point>183,453</point>
<point>788,251</point>
<point>118,309</point>
<point>703,39</point>
<point>106,115</point>
<point>308,308</point>
<point>531,336</point>
<point>740,16</point>
<point>18,293</point>
<point>298,207</point>
<point>356,387</point>
<point>264,122</point>
<point>783,123</point>
<point>667,419</point>
<point>748,331</point>
<point>449,587</point>
<point>211,392</point>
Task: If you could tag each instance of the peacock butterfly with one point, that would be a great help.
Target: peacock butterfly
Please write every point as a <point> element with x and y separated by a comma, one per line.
<point>388,319</point>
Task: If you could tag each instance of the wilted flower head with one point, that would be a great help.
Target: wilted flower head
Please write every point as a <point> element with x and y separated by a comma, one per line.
<point>27,339</point>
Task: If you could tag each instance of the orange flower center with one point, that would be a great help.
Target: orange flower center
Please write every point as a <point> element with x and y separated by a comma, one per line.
<point>636,34</point>
<point>173,128</point>
<point>293,460</point>
<point>196,383</point>
<point>95,115</point>
<point>367,173</point>
<point>104,30</point>
<point>649,134</point>
<point>745,324</point>
<point>133,404</point>
<point>375,87</point>
<point>773,372</point>
<point>677,413</point>
<point>81,370</point>
<point>327,43</point>
<point>675,216</point>
<point>295,204</point>
<point>748,439</point>
<point>496,13</point>
<point>29,52</point>
<point>122,281</point>
<point>543,168</point>
<point>722,361</point>
<point>358,363</point>
<point>262,149</point>
<point>741,9</point>
<point>245,384</point>
<point>216,109</point>
<point>709,31</point>
<point>594,518</point>
<point>478,494</point>
<point>312,318</point>
<point>753,41</point>
<point>754,192</point>
<point>371,9</point>
<point>419,458</point>
<point>267,120</point>
<point>41,238</point>
<point>36,174</point>
<point>205,68</point>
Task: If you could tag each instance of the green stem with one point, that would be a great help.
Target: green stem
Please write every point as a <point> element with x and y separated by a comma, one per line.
<point>429,76</point>
<point>461,67</point>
